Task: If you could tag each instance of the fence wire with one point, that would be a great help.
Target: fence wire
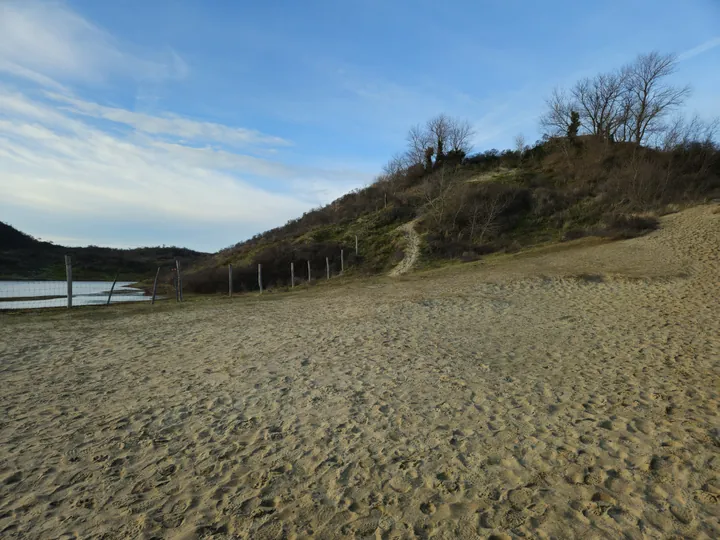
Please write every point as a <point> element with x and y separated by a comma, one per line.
<point>22,294</point>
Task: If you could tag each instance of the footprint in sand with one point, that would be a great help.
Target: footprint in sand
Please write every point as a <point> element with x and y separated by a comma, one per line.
<point>520,498</point>
<point>428,508</point>
<point>705,497</point>
<point>682,513</point>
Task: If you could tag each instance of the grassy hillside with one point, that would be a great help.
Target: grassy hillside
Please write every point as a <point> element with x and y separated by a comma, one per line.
<point>23,257</point>
<point>467,207</point>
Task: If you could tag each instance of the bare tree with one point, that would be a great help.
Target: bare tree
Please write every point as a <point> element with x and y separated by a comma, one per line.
<point>600,103</point>
<point>652,98</point>
<point>461,134</point>
<point>397,164</point>
<point>418,141</point>
<point>442,134</point>
<point>626,105</point>
<point>440,128</point>
<point>429,152</point>
<point>485,213</point>
<point>681,133</point>
<point>436,189</point>
<point>557,119</point>
<point>625,128</point>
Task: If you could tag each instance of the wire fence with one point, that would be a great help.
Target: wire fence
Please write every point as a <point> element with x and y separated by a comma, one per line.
<point>166,283</point>
<point>78,290</point>
<point>282,272</point>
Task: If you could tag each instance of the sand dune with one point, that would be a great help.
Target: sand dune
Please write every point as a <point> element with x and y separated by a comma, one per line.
<point>573,393</point>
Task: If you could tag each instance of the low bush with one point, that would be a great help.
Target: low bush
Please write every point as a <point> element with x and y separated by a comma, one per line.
<point>629,225</point>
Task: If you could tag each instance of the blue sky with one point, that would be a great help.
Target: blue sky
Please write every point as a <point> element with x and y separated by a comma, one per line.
<point>201,123</point>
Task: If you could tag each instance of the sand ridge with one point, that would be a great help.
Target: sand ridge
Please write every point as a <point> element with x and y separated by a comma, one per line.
<point>565,395</point>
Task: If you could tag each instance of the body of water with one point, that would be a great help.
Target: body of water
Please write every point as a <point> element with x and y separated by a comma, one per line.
<point>42,294</point>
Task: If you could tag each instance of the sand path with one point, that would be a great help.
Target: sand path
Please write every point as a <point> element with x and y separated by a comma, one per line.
<point>506,399</point>
<point>412,249</point>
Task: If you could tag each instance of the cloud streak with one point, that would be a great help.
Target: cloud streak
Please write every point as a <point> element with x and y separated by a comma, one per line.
<point>45,42</point>
<point>170,124</point>
<point>67,160</point>
<point>700,49</point>
<point>53,160</point>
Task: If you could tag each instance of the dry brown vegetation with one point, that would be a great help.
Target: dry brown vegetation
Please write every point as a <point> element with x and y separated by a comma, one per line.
<point>558,190</point>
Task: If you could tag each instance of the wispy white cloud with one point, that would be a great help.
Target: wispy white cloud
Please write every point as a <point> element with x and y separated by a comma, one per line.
<point>47,41</point>
<point>56,161</point>
<point>224,160</point>
<point>169,124</point>
<point>11,68</point>
<point>700,49</point>
<point>82,161</point>
<point>94,174</point>
<point>53,160</point>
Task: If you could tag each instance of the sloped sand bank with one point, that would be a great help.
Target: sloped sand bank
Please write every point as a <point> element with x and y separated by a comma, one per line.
<point>572,394</point>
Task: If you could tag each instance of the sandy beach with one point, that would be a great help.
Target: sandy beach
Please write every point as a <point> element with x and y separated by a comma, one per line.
<point>569,393</point>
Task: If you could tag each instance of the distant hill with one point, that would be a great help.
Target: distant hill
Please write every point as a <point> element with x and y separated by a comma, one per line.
<point>24,257</point>
<point>11,238</point>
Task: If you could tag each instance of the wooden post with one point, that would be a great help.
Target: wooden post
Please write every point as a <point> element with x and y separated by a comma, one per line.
<point>342,261</point>
<point>182,298</point>
<point>230,280</point>
<point>327,267</point>
<point>157,275</point>
<point>292,275</point>
<point>112,288</point>
<point>178,280</point>
<point>68,273</point>
<point>356,245</point>
<point>260,277</point>
<point>309,274</point>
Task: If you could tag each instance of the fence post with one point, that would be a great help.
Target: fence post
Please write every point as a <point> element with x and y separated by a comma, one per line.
<point>292,275</point>
<point>342,261</point>
<point>309,275</point>
<point>230,280</point>
<point>178,282</point>
<point>356,245</point>
<point>260,277</point>
<point>157,275</point>
<point>112,288</point>
<point>68,273</point>
<point>327,267</point>
<point>182,298</point>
